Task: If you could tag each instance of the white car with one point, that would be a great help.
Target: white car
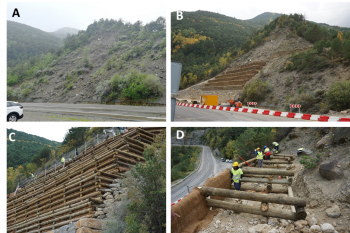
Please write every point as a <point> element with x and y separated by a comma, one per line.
<point>14,111</point>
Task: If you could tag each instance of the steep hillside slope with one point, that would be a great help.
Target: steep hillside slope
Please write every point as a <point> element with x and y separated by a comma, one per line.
<point>63,32</point>
<point>262,19</point>
<point>109,62</point>
<point>283,88</point>
<point>25,147</point>
<point>24,42</point>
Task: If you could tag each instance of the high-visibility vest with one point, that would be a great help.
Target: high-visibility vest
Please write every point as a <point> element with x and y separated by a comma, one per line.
<point>260,155</point>
<point>267,150</point>
<point>32,175</point>
<point>63,160</point>
<point>236,175</point>
<point>300,148</point>
<point>275,143</point>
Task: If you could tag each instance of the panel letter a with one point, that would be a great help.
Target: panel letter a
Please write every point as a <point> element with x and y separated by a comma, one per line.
<point>15,12</point>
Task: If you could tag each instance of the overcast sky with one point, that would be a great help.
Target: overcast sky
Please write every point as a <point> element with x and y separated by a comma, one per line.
<point>318,11</point>
<point>54,133</point>
<point>55,15</point>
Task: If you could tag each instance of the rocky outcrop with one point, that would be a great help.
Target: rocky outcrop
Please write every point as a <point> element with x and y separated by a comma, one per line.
<point>329,170</point>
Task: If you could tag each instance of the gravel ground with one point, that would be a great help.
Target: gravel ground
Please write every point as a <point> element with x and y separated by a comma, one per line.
<point>36,116</point>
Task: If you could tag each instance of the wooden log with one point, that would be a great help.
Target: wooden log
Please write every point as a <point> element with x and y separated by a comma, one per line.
<point>257,175</point>
<point>269,188</point>
<point>144,140</point>
<point>33,220</point>
<point>276,166</point>
<point>151,135</point>
<point>136,142</point>
<point>251,209</point>
<point>290,194</point>
<point>278,199</point>
<point>96,200</point>
<point>275,162</point>
<point>301,213</point>
<point>104,179</point>
<point>265,180</point>
<point>148,138</point>
<point>61,224</point>
<point>135,151</point>
<point>131,155</point>
<point>110,175</point>
<point>264,206</point>
<point>55,220</point>
<point>282,157</point>
<point>137,147</point>
<point>266,171</point>
<point>248,161</point>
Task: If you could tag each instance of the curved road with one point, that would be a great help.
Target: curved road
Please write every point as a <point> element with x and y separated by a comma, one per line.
<point>197,114</point>
<point>208,168</point>
<point>122,112</point>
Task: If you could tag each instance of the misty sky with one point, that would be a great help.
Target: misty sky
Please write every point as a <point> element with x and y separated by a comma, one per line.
<point>52,16</point>
<point>335,14</point>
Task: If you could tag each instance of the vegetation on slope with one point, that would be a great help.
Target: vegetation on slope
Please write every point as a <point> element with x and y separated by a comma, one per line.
<point>200,41</point>
<point>183,160</point>
<point>25,42</point>
<point>133,41</point>
<point>145,208</point>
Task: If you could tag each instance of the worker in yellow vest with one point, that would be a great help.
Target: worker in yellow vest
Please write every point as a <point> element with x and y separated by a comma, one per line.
<point>236,176</point>
<point>63,161</point>
<point>259,157</point>
<point>267,153</point>
<point>276,148</point>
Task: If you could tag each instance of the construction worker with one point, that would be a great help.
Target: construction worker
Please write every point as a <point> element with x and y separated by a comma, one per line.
<point>63,161</point>
<point>267,153</point>
<point>300,151</point>
<point>32,175</point>
<point>236,176</point>
<point>276,148</point>
<point>259,157</point>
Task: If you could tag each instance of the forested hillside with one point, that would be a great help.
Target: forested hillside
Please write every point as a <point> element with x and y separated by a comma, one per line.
<point>112,60</point>
<point>63,32</point>
<point>25,42</point>
<point>183,160</point>
<point>25,147</point>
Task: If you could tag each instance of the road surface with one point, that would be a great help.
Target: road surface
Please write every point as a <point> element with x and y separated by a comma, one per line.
<point>122,112</point>
<point>197,114</point>
<point>208,167</point>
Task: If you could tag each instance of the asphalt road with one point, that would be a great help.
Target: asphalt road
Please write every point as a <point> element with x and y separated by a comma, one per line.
<point>198,114</point>
<point>208,168</point>
<point>122,112</point>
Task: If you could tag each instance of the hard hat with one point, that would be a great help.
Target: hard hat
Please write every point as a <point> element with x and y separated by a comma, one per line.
<point>235,164</point>
<point>264,147</point>
<point>258,148</point>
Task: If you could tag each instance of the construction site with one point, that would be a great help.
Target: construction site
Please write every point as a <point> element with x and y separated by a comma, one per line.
<point>74,196</point>
<point>286,195</point>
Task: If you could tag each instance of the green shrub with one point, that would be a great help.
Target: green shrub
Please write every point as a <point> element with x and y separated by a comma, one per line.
<point>255,91</point>
<point>288,82</point>
<point>25,92</point>
<point>307,101</point>
<point>70,86</point>
<point>308,162</point>
<point>338,95</point>
<point>301,90</point>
